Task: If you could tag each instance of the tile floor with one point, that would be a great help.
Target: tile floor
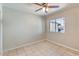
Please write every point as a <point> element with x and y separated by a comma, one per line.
<point>43,48</point>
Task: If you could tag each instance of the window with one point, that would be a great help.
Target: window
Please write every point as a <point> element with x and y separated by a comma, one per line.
<point>57,25</point>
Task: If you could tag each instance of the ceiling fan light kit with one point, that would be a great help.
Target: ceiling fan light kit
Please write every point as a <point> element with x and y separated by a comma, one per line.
<point>45,7</point>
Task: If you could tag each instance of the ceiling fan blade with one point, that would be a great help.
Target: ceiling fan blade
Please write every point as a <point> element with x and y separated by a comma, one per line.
<point>43,3</point>
<point>38,9</point>
<point>53,6</point>
<point>38,4</point>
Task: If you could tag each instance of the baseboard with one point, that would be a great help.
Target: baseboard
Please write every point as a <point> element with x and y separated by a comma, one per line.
<point>27,44</point>
<point>64,46</point>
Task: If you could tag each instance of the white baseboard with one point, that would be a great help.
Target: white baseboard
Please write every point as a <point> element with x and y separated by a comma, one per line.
<point>29,43</point>
<point>64,46</point>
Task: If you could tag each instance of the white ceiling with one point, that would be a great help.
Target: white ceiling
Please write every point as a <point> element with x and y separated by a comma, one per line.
<point>30,7</point>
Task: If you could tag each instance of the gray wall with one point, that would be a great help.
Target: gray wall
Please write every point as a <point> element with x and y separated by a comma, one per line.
<point>21,28</point>
<point>0,35</point>
<point>71,36</point>
<point>0,31</point>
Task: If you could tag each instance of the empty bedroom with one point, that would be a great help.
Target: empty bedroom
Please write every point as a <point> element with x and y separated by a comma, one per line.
<point>40,29</point>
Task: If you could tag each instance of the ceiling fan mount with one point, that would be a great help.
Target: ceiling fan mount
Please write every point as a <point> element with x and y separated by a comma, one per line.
<point>45,6</point>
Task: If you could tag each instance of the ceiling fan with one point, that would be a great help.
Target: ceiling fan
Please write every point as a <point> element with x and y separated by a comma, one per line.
<point>45,6</point>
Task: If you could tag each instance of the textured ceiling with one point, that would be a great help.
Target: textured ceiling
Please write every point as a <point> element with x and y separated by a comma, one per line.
<point>30,7</point>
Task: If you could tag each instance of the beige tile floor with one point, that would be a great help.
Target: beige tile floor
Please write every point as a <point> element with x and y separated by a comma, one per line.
<point>43,48</point>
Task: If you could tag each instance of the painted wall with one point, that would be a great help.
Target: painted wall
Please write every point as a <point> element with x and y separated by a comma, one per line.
<point>0,26</point>
<point>71,36</point>
<point>21,28</point>
<point>0,31</point>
